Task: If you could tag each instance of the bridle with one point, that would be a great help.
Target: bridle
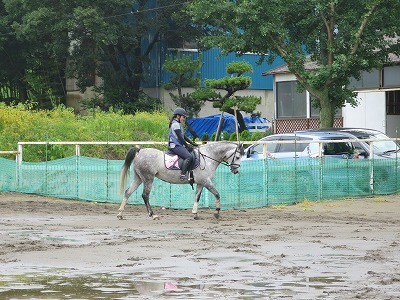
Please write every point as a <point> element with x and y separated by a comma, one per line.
<point>232,165</point>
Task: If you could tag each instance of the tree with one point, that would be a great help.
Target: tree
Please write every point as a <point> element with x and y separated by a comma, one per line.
<point>117,45</point>
<point>343,38</point>
<point>33,51</point>
<point>231,84</point>
<point>112,39</point>
<point>185,73</point>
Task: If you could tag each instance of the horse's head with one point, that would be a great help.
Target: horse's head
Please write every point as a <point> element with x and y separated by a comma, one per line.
<point>233,158</point>
<point>227,153</point>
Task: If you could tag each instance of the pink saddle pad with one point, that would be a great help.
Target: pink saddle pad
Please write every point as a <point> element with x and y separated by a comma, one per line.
<point>171,161</point>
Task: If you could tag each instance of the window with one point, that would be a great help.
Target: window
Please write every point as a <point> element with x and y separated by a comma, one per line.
<point>337,148</point>
<point>393,103</point>
<point>391,76</point>
<point>314,112</point>
<point>270,147</point>
<point>290,103</point>
<point>175,41</point>
<point>293,147</point>
<point>368,80</point>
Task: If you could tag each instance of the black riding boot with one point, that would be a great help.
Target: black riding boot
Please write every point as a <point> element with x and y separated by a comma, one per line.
<point>185,167</point>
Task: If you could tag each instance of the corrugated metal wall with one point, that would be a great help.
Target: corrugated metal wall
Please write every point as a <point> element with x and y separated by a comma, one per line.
<point>214,66</point>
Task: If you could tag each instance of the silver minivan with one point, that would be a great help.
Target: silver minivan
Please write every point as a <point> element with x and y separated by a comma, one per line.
<point>301,145</point>
<point>370,140</point>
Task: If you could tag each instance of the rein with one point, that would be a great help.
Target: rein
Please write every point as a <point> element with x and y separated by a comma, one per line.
<point>221,161</point>
<point>218,161</point>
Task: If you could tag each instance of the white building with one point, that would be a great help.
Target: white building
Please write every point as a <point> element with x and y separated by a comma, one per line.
<point>378,97</point>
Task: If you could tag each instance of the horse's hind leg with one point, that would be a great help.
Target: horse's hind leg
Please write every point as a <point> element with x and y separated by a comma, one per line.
<point>135,184</point>
<point>199,189</point>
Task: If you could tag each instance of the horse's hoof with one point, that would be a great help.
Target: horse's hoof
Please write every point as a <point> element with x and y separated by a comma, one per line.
<point>195,216</point>
<point>156,217</point>
<point>119,217</point>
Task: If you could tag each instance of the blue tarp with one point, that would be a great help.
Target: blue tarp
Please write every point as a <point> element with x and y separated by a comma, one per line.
<point>256,119</point>
<point>210,124</point>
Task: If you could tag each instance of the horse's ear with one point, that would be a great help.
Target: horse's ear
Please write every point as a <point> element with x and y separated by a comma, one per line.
<point>241,148</point>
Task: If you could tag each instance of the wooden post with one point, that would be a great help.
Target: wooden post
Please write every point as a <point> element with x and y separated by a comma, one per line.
<point>219,129</point>
<point>236,124</point>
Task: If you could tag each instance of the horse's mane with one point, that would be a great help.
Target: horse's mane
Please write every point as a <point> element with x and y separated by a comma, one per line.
<point>218,142</point>
<point>213,144</point>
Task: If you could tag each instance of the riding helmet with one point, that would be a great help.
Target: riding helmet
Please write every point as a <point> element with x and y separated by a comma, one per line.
<point>180,111</point>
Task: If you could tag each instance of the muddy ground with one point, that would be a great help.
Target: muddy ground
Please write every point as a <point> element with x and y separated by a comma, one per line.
<point>66,249</point>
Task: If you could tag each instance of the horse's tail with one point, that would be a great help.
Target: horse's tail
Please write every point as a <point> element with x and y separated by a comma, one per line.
<point>125,167</point>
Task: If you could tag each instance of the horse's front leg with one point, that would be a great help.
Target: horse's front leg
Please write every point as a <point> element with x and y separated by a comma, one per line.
<point>212,189</point>
<point>197,195</point>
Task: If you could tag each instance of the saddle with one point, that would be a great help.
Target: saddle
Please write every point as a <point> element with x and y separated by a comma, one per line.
<point>174,162</point>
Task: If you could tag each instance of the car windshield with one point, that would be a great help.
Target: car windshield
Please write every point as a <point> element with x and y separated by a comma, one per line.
<point>259,148</point>
<point>381,146</point>
<point>337,148</point>
<point>293,147</point>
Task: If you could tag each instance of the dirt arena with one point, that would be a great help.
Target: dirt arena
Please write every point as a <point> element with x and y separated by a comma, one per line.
<point>66,249</point>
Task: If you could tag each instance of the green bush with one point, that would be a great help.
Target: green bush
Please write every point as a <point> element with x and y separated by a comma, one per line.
<point>233,137</point>
<point>225,136</point>
<point>245,135</point>
<point>255,136</point>
<point>205,137</point>
<point>19,123</point>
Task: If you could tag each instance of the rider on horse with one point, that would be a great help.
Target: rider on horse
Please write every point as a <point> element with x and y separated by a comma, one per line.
<point>178,142</point>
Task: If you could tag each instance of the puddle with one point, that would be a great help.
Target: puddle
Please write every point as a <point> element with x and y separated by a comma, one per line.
<point>298,271</point>
<point>64,284</point>
<point>82,237</point>
<point>75,237</point>
<point>49,286</point>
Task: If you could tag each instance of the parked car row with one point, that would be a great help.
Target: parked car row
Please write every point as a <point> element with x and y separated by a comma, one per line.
<point>306,145</point>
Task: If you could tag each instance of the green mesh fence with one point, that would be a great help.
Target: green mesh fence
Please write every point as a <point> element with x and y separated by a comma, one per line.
<point>259,183</point>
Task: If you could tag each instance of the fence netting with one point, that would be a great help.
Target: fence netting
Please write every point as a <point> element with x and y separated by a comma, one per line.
<point>259,183</point>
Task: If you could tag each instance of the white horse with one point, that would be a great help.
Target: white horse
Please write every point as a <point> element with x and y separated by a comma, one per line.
<point>149,163</point>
